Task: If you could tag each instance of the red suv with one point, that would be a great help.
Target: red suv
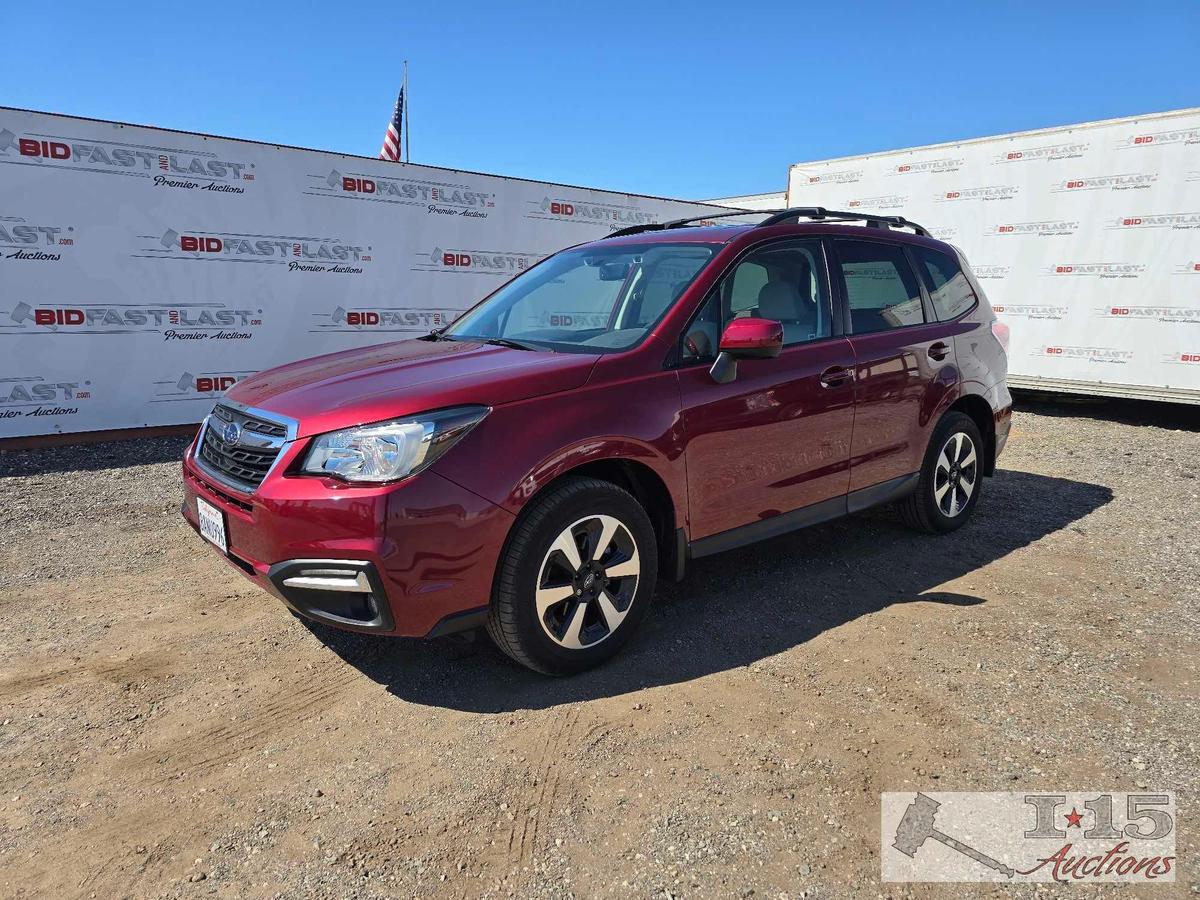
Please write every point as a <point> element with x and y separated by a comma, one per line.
<point>665,393</point>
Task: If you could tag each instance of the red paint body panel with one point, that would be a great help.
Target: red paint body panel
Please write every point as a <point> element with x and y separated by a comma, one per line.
<point>771,441</point>
<point>371,384</point>
<point>899,394</point>
<point>434,543</point>
<point>753,336</point>
<point>618,414</point>
<point>778,438</point>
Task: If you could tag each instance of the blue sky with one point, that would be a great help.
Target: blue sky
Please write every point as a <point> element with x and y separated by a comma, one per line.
<point>694,99</point>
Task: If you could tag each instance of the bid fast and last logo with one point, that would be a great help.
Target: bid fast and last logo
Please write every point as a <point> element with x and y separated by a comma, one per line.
<point>1129,181</point>
<point>34,396</point>
<point>1100,270</point>
<point>1176,221</point>
<point>177,168</point>
<point>1048,153</point>
<point>880,202</point>
<point>839,176</point>
<point>989,192</point>
<point>939,166</point>
<point>1182,359</point>
<point>200,321</point>
<point>1102,355</point>
<point>299,254</point>
<point>26,240</point>
<point>1159,138</point>
<point>613,215</point>
<point>1030,310</point>
<point>1173,314</point>
<point>205,386</point>
<point>475,262</point>
<point>442,198</point>
<point>1044,228</point>
<point>386,320</point>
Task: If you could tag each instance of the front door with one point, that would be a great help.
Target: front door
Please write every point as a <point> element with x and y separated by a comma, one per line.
<point>777,438</point>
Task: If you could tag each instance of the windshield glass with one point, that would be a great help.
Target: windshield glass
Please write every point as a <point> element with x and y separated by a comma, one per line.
<point>590,299</point>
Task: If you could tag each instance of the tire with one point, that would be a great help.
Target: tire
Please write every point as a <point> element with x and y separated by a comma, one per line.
<point>930,507</point>
<point>587,612</point>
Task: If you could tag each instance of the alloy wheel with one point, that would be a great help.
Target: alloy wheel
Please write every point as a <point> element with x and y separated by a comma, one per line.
<point>587,582</point>
<point>955,475</point>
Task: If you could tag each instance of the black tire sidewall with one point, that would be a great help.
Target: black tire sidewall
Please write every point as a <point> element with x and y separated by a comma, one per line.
<point>525,557</point>
<point>951,423</point>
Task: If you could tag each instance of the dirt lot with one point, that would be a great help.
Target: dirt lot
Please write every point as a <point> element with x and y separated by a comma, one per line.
<point>169,730</point>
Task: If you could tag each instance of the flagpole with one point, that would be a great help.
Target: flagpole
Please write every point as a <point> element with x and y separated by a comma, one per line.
<point>407,104</point>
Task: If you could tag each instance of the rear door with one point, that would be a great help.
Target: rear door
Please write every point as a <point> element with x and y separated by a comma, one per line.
<point>777,438</point>
<point>904,358</point>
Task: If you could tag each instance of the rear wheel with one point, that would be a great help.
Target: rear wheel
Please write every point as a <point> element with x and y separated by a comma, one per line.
<point>575,579</point>
<point>951,477</point>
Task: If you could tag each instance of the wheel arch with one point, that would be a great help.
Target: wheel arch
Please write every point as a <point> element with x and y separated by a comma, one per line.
<point>980,412</point>
<point>632,472</point>
<point>649,489</point>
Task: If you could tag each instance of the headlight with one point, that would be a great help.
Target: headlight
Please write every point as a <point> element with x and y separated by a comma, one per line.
<point>387,451</point>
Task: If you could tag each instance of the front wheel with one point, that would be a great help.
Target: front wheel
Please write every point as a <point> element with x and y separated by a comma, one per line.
<point>575,579</point>
<point>951,477</point>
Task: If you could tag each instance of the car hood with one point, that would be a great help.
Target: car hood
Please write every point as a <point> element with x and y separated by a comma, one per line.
<point>370,384</point>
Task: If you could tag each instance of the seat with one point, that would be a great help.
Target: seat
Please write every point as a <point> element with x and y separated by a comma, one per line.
<point>657,296</point>
<point>781,301</point>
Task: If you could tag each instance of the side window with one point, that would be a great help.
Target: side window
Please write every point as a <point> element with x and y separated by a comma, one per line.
<point>784,281</point>
<point>880,286</point>
<point>947,285</point>
<point>748,279</point>
<point>703,334</point>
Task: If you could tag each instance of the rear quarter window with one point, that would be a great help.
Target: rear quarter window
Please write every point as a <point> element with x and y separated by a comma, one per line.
<point>946,282</point>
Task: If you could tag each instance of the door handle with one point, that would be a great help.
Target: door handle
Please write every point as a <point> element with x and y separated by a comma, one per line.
<point>835,376</point>
<point>939,351</point>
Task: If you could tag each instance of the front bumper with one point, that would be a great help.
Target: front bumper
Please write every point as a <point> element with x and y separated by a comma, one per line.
<point>425,548</point>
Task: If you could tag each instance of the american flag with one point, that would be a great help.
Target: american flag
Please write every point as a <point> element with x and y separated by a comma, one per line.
<point>391,140</point>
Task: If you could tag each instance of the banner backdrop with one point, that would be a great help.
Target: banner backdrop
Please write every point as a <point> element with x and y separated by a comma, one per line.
<point>1086,240</point>
<point>143,271</point>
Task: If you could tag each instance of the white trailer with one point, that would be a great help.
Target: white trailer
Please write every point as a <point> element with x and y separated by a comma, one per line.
<point>776,200</point>
<point>144,271</point>
<point>1086,239</point>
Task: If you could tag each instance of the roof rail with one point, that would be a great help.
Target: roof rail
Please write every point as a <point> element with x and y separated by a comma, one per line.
<point>780,216</point>
<point>678,223</point>
<point>821,214</point>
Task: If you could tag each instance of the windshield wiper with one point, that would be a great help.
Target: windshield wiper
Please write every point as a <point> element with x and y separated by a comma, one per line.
<point>515,345</point>
<point>438,334</point>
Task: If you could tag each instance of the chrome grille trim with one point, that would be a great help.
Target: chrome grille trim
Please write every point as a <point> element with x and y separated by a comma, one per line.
<point>262,442</point>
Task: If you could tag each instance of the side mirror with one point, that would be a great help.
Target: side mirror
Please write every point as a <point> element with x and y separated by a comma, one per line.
<point>749,338</point>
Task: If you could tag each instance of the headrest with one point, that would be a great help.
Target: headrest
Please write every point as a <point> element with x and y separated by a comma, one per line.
<point>779,300</point>
<point>657,297</point>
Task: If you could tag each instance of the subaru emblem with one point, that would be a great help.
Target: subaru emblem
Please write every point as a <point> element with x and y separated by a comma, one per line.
<point>231,432</point>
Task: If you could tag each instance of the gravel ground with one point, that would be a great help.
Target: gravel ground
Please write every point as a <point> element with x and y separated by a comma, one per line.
<point>169,730</point>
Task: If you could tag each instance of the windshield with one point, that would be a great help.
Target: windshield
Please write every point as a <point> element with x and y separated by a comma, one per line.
<point>590,299</point>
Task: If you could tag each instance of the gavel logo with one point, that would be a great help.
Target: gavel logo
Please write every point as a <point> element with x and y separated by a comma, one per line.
<point>916,826</point>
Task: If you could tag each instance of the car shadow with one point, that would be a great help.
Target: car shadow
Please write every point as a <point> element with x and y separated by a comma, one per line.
<point>744,605</point>
<point>1138,413</point>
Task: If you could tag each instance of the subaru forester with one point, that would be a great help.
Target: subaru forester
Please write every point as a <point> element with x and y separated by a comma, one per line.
<point>625,406</point>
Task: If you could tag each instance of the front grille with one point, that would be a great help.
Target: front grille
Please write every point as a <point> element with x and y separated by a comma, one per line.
<point>245,462</point>
<point>249,423</point>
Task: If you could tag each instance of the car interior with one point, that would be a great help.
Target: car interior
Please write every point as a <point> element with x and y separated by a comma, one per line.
<point>779,283</point>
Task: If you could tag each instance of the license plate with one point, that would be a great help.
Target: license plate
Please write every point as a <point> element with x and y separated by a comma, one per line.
<point>212,524</point>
